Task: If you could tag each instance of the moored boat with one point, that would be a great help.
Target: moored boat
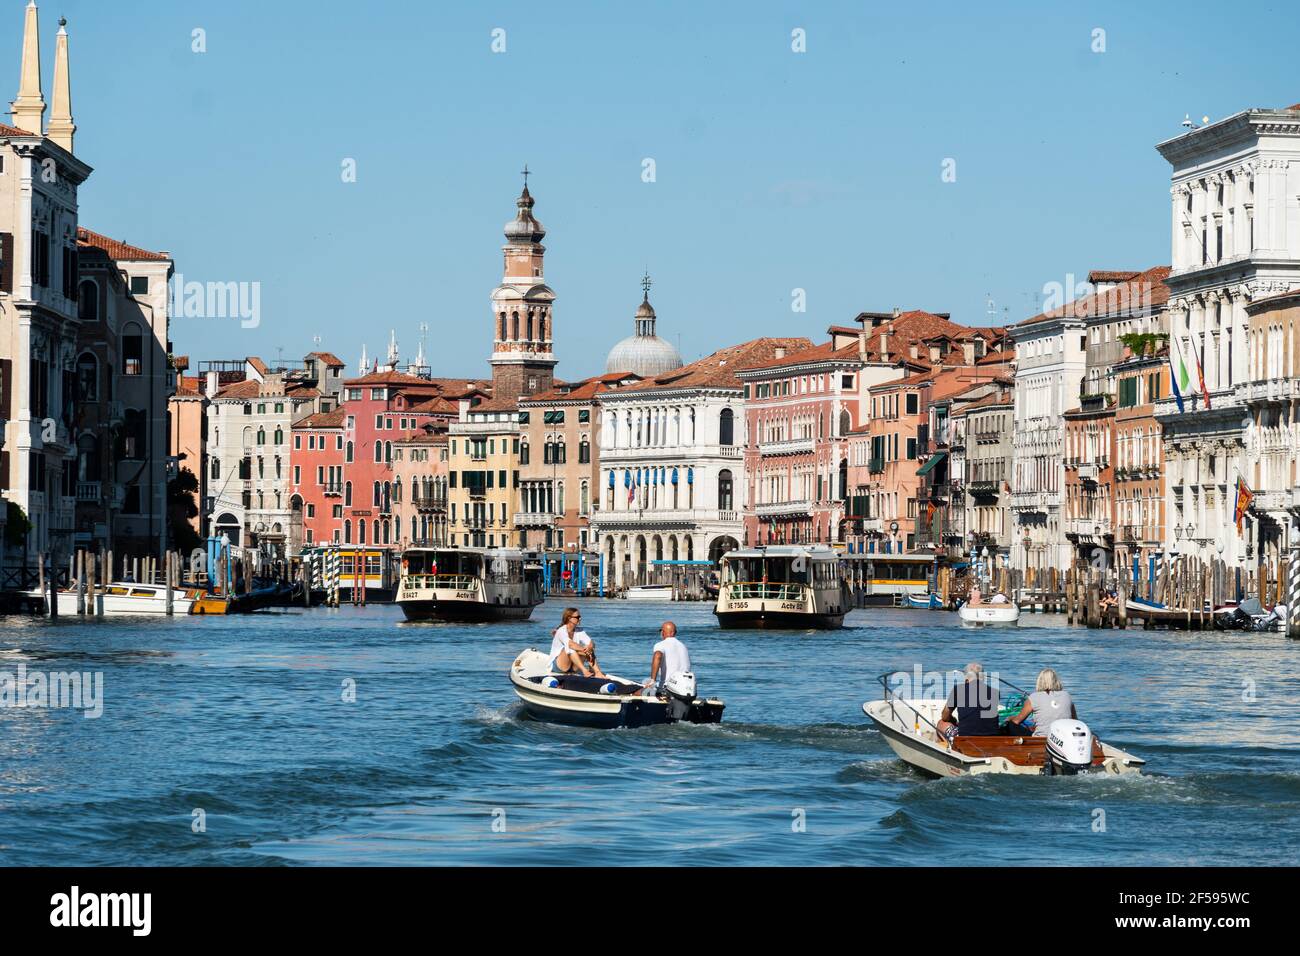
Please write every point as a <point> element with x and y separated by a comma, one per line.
<point>928,601</point>
<point>603,702</point>
<point>469,584</point>
<point>124,598</point>
<point>650,592</point>
<point>782,586</point>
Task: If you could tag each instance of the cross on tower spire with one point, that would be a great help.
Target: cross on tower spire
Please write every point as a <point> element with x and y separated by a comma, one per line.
<point>646,283</point>
<point>524,172</point>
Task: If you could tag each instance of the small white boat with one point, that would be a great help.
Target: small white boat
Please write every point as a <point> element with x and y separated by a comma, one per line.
<point>605,702</point>
<point>908,726</point>
<point>124,597</point>
<point>650,592</point>
<point>990,612</point>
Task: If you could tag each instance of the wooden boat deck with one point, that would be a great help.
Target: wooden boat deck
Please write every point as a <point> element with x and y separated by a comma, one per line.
<point>1021,751</point>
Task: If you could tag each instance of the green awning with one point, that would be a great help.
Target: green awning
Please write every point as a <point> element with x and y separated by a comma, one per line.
<point>934,460</point>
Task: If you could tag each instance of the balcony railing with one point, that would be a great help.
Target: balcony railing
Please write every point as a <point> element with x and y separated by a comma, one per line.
<point>759,591</point>
<point>876,466</point>
<point>799,507</point>
<point>334,488</point>
<point>533,519</point>
<point>90,491</point>
<point>788,446</point>
<point>429,502</point>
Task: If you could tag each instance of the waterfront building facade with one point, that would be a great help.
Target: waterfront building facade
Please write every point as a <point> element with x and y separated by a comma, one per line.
<point>420,469</point>
<point>982,456</point>
<point>317,497</point>
<point>799,408</point>
<point>1236,241</point>
<point>483,475</point>
<point>671,464</point>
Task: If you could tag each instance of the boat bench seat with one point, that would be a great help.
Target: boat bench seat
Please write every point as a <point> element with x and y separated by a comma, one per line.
<point>1031,752</point>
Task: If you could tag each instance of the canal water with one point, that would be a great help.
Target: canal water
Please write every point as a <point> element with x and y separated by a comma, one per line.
<point>232,741</point>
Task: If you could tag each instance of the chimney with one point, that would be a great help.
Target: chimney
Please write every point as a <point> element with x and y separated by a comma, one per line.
<point>779,352</point>
<point>969,349</point>
<point>29,107</point>
<point>211,385</point>
<point>884,345</point>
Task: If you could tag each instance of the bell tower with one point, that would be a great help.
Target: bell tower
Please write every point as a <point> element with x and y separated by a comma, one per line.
<point>522,359</point>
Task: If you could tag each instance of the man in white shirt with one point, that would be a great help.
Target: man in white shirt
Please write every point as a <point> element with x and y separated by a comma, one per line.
<point>670,656</point>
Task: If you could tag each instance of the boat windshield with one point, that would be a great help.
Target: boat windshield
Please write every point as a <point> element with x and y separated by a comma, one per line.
<point>456,569</point>
<point>765,570</point>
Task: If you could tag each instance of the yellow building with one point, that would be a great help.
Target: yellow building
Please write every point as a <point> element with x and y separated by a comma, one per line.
<point>483,476</point>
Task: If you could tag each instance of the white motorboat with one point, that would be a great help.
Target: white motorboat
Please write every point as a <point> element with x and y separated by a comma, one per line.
<point>650,592</point>
<point>607,701</point>
<point>124,598</point>
<point>990,612</point>
<point>910,729</point>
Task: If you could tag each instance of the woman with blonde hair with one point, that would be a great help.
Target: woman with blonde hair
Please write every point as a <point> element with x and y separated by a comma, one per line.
<point>1049,702</point>
<point>571,649</point>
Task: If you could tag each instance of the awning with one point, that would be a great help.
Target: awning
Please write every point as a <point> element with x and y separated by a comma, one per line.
<point>934,460</point>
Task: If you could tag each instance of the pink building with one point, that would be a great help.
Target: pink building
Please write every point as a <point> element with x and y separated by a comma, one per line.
<point>316,476</point>
<point>798,409</point>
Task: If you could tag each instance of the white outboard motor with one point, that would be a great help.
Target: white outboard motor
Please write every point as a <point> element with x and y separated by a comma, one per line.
<point>1069,748</point>
<point>680,688</point>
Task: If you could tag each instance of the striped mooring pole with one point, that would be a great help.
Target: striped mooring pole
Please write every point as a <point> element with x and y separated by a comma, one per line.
<point>332,565</point>
<point>1293,589</point>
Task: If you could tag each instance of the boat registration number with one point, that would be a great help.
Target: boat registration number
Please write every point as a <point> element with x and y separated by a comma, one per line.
<point>737,605</point>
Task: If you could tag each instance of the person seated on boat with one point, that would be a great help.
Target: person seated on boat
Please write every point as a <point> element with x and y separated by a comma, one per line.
<point>971,709</point>
<point>975,600</point>
<point>999,599</point>
<point>1047,703</point>
<point>669,657</point>
<point>572,650</point>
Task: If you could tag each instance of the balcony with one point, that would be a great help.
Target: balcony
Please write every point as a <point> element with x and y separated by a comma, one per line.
<point>89,491</point>
<point>333,489</point>
<point>774,508</point>
<point>984,489</point>
<point>1034,500</point>
<point>534,519</point>
<point>876,466</point>
<point>1087,530</point>
<point>429,502</point>
<point>789,446</point>
<point>1272,390</point>
<point>1088,472</point>
<point>674,518</point>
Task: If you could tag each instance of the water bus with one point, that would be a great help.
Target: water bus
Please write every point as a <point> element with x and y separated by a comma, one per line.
<point>782,586</point>
<point>469,584</point>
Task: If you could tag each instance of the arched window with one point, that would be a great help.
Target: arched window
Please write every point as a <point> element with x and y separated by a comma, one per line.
<point>502,333</point>
<point>846,423</point>
<point>349,453</point>
<point>347,495</point>
<point>388,451</point>
<point>514,322</point>
<point>377,500</point>
<point>216,468</point>
<point>726,427</point>
<point>361,533</point>
<point>261,435</point>
<point>379,452</point>
<point>88,301</point>
<point>279,435</point>
<point>724,490</point>
<point>347,531</point>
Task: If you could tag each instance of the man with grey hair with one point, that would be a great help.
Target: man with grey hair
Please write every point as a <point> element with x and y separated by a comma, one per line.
<point>972,707</point>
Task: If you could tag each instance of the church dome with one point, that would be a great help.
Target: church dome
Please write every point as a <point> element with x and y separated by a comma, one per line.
<point>644,353</point>
<point>524,227</point>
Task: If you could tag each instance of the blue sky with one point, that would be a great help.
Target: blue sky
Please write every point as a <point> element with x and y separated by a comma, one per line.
<point>775,170</point>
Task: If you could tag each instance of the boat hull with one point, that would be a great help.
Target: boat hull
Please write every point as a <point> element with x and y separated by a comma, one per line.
<point>115,605</point>
<point>989,614</point>
<point>777,620</point>
<point>906,728</point>
<point>580,708</point>
<point>464,612</point>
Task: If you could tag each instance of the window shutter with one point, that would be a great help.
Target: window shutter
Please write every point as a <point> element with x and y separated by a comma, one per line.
<point>6,262</point>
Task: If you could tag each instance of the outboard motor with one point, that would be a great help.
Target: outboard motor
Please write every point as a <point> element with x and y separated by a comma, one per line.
<point>681,694</point>
<point>1069,748</point>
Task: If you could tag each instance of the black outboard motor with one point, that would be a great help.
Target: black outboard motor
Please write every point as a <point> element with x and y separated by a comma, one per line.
<point>680,689</point>
<point>1069,748</point>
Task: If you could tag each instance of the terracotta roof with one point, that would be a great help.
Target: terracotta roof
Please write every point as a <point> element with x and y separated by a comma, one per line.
<point>116,249</point>
<point>436,405</point>
<point>1145,289</point>
<point>331,419</point>
<point>299,390</point>
<point>719,369</point>
<point>576,391</point>
<point>1097,276</point>
<point>257,363</point>
<point>995,398</point>
<point>422,437</point>
<point>496,405</point>
<point>189,386</point>
<point>815,353</point>
<point>997,358</point>
<point>248,388</point>
<point>13,131</point>
<point>329,358</point>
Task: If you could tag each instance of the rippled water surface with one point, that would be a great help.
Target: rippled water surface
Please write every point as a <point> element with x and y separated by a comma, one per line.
<point>244,719</point>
